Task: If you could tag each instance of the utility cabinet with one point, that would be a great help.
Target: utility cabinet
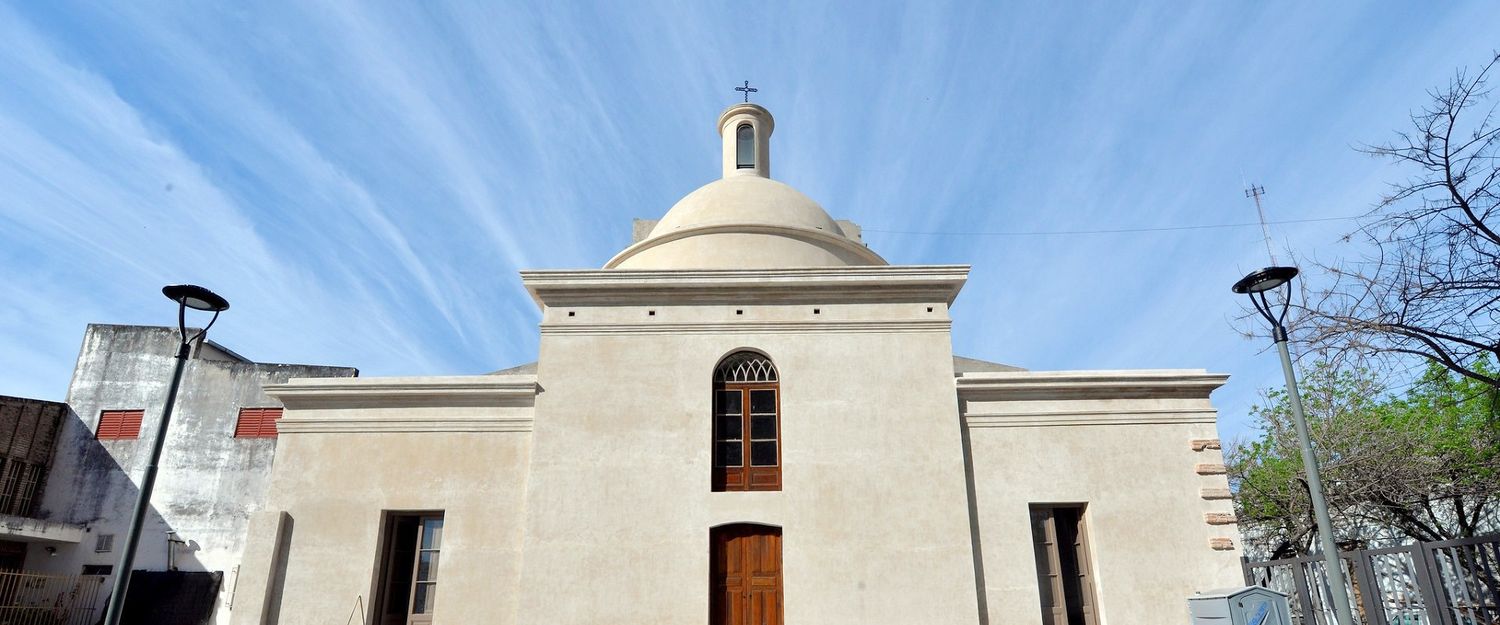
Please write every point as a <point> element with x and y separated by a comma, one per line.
<point>1245,605</point>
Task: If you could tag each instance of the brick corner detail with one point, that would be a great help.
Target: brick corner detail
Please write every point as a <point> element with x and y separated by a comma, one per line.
<point>1211,469</point>
<point>1200,444</point>
<point>1219,518</point>
<point>1221,544</point>
<point>1215,493</point>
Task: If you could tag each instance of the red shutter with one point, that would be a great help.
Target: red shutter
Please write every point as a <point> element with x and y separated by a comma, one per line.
<point>257,423</point>
<point>119,424</point>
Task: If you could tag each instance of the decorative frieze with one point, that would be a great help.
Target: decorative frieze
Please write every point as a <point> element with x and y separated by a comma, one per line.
<point>1221,543</point>
<point>1205,468</point>
<point>1200,444</point>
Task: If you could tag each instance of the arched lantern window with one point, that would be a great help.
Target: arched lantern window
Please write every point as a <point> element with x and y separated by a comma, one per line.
<point>744,140</point>
<point>747,423</point>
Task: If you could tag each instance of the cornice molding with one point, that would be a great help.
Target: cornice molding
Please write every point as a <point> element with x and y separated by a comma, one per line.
<point>887,283</point>
<point>1088,417</point>
<point>444,391</point>
<point>1056,385</point>
<point>293,424</point>
<point>751,327</point>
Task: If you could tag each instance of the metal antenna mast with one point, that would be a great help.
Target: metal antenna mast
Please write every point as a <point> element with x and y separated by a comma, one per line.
<point>1254,192</point>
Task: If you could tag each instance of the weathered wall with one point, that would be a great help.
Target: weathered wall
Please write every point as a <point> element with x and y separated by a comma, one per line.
<point>209,482</point>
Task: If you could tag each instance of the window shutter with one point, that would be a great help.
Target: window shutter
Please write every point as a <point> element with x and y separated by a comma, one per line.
<point>119,424</point>
<point>257,423</point>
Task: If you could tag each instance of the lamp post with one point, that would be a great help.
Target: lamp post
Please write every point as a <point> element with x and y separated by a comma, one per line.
<point>1256,285</point>
<point>187,296</point>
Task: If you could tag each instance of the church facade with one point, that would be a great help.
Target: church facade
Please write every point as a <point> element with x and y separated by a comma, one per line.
<point>746,417</point>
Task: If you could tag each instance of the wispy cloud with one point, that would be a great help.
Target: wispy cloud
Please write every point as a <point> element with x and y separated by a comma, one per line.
<point>364,179</point>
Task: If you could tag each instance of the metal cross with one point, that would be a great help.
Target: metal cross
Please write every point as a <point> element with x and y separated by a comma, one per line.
<point>747,89</point>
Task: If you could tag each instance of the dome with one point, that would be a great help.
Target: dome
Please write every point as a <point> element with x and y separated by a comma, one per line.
<point>746,200</point>
<point>745,220</point>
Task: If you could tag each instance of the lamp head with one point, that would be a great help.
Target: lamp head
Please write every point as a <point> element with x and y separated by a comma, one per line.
<point>195,297</point>
<point>1262,280</point>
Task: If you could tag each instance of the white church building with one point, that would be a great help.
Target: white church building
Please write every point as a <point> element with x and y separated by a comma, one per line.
<point>746,417</point>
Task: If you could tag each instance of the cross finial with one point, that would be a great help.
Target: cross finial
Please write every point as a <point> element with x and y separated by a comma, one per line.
<point>747,89</point>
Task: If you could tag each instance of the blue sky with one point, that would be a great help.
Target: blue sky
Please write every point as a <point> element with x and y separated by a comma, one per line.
<point>363,180</point>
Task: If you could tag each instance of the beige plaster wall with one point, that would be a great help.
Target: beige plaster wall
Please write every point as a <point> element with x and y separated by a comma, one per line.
<point>1144,515</point>
<point>335,487</point>
<point>873,508</point>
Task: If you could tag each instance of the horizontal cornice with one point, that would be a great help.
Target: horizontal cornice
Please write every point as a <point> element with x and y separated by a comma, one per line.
<point>898,283</point>
<point>378,424</point>
<point>1055,385</point>
<point>475,390</point>
<point>1020,419</point>
<point>752,327</point>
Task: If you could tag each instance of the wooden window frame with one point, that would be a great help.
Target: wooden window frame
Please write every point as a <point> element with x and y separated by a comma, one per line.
<point>388,577</point>
<point>1063,603</point>
<point>119,425</point>
<point>746,476</point>
<point>257,422</point>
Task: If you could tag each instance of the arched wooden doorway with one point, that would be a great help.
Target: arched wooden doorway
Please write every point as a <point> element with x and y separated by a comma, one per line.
<point>745,575</point>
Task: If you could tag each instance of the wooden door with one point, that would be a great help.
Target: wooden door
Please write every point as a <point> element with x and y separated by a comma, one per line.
<point>745,575</point>
<point>1064,580</point>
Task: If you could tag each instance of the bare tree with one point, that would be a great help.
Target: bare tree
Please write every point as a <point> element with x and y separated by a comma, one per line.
<point>1430,287</point>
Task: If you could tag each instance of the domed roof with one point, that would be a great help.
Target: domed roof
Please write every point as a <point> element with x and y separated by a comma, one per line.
<point>745,219</point>
<point>746,200</point>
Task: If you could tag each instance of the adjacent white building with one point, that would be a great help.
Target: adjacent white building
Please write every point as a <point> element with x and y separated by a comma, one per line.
<point>215,466</point>
<point>746,417</point>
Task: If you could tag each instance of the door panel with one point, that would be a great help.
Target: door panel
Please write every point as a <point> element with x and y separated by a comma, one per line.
<point>746,575</point>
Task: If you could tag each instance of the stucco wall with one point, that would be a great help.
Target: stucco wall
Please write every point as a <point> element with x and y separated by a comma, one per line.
<point>208,484</point>
<point>1132,461</point>
<point>873,505</point>
<point>336,501</point>
<point>352,450</point>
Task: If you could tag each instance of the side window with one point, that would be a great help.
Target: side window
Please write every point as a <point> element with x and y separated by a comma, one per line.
<point>747,424</point>
<point>744,147</point>
<point>409,568</point>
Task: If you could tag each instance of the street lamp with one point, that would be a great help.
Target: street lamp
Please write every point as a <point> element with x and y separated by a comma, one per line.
<point>187,296</point>
<point>1256,285</point>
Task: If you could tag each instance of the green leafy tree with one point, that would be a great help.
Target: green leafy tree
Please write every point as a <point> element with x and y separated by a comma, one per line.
<point>1421,464</point>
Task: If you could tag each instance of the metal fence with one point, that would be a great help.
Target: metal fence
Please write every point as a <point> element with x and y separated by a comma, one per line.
<point>33,599</point>
<point>1451,582</point>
